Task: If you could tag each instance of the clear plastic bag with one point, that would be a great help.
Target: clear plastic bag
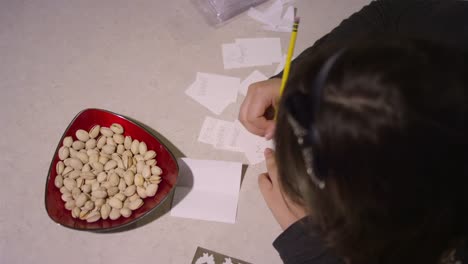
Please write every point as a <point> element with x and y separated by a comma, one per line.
<point>216,12</point>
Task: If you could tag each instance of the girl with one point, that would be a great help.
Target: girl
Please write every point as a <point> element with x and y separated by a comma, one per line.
<point>371,155</point>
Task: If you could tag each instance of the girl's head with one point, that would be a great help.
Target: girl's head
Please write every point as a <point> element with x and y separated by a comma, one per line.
<point>387,129</point>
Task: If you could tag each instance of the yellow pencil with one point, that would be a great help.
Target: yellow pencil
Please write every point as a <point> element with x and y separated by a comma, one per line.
<point>287,65</point>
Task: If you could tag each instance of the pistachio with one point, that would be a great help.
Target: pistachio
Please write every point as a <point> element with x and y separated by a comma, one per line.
<point>58,181</point>
<point>59,167</point>
<point>68,141</point>
<point>114,214</point>
<point>146,172</point>
<point>101,142</point>
<point>133,197</point>
<point>115,203</point>
<point>151,190</point>
<point>89,205</point>
<point>102,176</point>
<point>76,212</point>
<point>138,180</point>
<point>114,179</point>
<point>69,205</point>
<point>99,194</point>
<point>77,145</point>
<point>119,172</point>
<point>105,211</point>
<point>63,152</point>
<point>120,149</point>
<point>75,192</point>
<point>139,158</point>
<point>112,191</point>
<point>122,186</point>
<point>97,167</point>
<point>82,135</point>
<point>111,164</point>
<point>108,149</point>
<point>135,204</point>
<point>130,190</point>
<point>142,148</point>
<point>63,190</point>
<point>125,212</point>
<point>86,167</point>
<point>140,166</point>
<point>151,162</point>
<point>128,142</point>
<point>94,131</point>
<point>150,154</point>
<point>120,196</point>
<point>117,128</point>
<point>86,188</point>
<point>91,143</point>
<point>106,131</point>
<point>72,153</point>
<point>69,184</point>
<point>135,146</point>
<point>79,182</point>
<point>156,170</point>
<point>76,163</point>
<point>87,175</point>
<point>141,192</point>
<point>99,202</point>
<point>74,174</point>
<point>93,217</point>
<point>83,157</point>
<point>103,159</point>
<point>110,141</point>
<point>94,157</point>
<point>119,139</point>
<point>67,170</point>
<point>129,177</point>
<point>67,197</point>
<point>155,179</point>
<point>81,200</point>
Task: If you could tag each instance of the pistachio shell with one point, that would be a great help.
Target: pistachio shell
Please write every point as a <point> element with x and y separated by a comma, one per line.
<point>95,186</point>
<point>76,164</point>
<point>69,184</point>
<point>135,146</point>
<point>75,192</point>
<point>67,170</point>
<point>83,214</point>
<point>140,166</point>
<point>63,190</point>
<point>74,174</point>
<point>114,214</point>
<point>119,172</point>
<point>155,179</point>
<point>99,202</point>
<point>139,158</point>
<point>63,152</point>
<point>105,211</point>
<point>114,179</point>
<point>82,135</point>
<point>108,149</point>
<point>93,217</point>
<point>117,128</point>
<point>86,167</point>
<point>68,141</point>
<point>97,167</point>
<point>94,157</point>
<point>103,159</point>
<point>94,131</point>
<point>87,175</point>
<point>115,203</point>
<point>58,181</point>
<point>129,177</point>
<point>77,145</point>
<point>142,148</point>
<point>67,197</point>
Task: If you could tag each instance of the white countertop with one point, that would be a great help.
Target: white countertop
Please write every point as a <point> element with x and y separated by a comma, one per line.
<point>135,58</point>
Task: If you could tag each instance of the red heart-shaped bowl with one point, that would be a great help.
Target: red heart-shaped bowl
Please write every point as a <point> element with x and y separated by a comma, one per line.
<point>86,119</point>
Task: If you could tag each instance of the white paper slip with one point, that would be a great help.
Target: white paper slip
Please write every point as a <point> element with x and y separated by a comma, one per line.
<point>250,52</point>
<point>272,19</point>
<point>254,77</point>
<point>213,91</point>
<point>252,145</point>
<point>207,190</point>
<point>219,133</point>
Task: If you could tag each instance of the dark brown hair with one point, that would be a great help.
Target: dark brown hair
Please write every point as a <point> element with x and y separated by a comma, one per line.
<point>392,121</point>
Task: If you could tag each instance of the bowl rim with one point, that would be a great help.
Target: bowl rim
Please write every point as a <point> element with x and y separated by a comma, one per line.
<point>97,230</point>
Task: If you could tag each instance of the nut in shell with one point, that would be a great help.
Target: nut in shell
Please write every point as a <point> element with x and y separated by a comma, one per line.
<point>106,131</point>
<point>117,128</point>
<point>93,216</point>
<point>68,141</point>
<point>94,131</point>
<point>82,135</point>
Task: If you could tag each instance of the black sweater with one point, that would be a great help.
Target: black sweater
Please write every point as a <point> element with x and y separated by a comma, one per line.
<point>444,21</point>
